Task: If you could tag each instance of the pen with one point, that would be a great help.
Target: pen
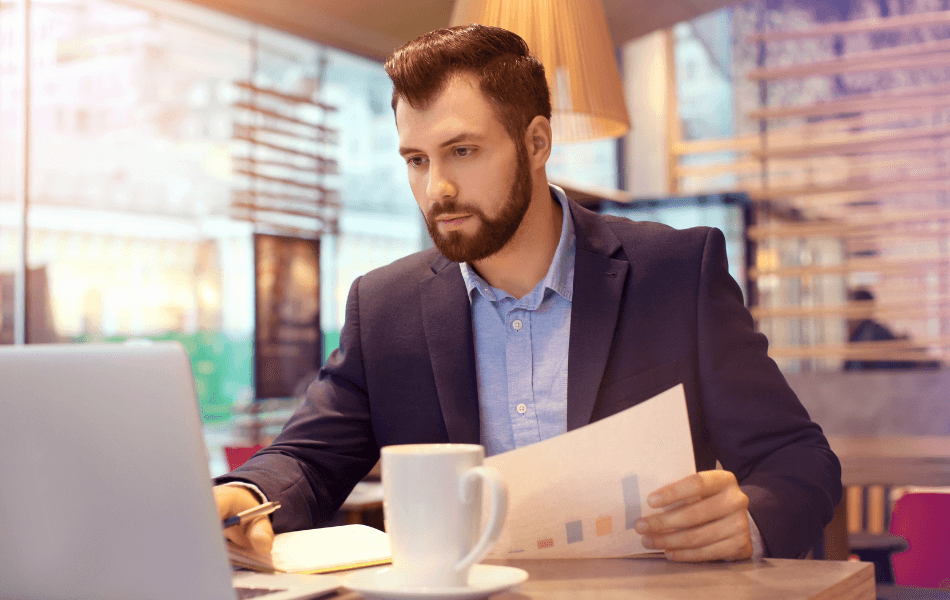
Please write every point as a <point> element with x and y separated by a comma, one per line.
<point>246,515</point>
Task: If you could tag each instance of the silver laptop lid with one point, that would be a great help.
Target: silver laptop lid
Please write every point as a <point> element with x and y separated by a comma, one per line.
<point>104,484</point>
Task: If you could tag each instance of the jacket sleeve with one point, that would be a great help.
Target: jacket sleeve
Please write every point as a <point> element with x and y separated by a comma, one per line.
<point>327,446</point>
<point>757,425</point>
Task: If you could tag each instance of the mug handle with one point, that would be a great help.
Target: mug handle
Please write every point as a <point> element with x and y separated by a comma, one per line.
<point>499,506</point>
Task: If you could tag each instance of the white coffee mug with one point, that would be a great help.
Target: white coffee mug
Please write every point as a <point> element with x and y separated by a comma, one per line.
<point>432,509</point>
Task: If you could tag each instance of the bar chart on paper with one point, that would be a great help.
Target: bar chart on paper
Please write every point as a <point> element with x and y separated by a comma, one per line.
<point>598,529</point>
<point>566,500</point>
<point>599,526</point>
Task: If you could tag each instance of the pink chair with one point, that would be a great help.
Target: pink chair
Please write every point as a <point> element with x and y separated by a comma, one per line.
<point>923,519</point>
<point>238,455</point>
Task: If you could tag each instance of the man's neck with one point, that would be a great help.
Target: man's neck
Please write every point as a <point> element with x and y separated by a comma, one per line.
<point>525,260</point>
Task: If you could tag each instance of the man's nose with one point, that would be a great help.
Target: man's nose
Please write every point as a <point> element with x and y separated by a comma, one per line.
<point>439,186</point>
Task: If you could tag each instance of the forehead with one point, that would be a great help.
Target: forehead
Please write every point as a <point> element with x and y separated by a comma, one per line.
<point>460,108</point>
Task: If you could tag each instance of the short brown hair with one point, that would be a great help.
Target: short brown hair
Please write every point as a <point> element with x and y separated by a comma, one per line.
<point>499,59</point>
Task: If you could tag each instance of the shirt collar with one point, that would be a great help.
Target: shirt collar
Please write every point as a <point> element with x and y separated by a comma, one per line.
<point>560,275</point>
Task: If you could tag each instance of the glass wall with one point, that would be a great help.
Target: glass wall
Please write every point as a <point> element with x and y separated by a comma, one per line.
<point>587,165</point>
<point>140,152</point>
<point>135,162</point>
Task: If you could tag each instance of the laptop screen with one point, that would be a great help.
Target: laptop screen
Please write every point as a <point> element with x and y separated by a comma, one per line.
<point>104,485</point>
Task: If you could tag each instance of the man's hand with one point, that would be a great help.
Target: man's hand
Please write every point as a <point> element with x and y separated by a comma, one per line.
<point>257,534</point>
<point>705,519</point>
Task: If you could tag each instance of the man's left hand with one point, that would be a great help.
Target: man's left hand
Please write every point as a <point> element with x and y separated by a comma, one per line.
<point>705,519</point>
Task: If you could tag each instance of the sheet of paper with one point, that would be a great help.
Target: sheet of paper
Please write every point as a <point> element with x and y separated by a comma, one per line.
<point>578,494</point>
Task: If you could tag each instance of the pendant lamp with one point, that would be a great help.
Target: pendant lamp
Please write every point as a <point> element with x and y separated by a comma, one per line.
<point>572,41</point>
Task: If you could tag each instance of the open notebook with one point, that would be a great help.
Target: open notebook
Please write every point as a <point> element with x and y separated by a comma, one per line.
<point>104,483</point>
<point>325,550</point>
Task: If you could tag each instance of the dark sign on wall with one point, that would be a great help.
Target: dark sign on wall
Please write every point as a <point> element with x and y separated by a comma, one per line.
<point>287,341</point>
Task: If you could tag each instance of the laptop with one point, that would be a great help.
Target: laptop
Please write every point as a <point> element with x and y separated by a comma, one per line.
<point>105,491</point>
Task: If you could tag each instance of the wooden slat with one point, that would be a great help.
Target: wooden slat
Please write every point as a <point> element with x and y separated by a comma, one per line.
<point>283,181</point>
<point>867,265</point>
<point>885,195</point>
<point>281,148</point>
<point>674,134</point>
<point>890,195</point>
<point>249,166</point>
<point>834,353</point>
<point>860,185</point>
<point>330,199</point>
<point>320,137</point>
<point>915,349</point>
<point>858,26</point>
<point>881,235</point>
<point>852,164</point>
<point>852,65</point>
<point>310,214</point>
<point>855,500</point>
<point>268,226</point>
<point>916,144</point>
<point>920,307</point>
<point>247,161</point>
<point>933,96</point>
<point>853,144</point>
<point>794,133</point>
<point>828,129</point>
<point>866,222</point>
<point>869,57</point>
<point>282,117</point>
<point>293,98</point>
<point>876,506</point>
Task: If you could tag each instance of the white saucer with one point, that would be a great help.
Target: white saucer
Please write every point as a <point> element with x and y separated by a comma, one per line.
<point>380,583</point>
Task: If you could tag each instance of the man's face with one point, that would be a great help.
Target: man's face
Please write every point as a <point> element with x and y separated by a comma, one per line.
<point>471,181</point>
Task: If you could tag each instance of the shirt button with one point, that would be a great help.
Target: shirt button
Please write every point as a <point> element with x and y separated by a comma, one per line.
<point>522,408</point>
<point>517,324</point>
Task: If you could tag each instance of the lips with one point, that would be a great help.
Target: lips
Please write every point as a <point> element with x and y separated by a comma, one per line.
<point>451,221</point>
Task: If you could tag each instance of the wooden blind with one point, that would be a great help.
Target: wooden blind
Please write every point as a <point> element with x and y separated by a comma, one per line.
<point>850,183</point>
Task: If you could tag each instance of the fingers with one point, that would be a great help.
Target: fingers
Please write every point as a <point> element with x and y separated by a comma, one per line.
<point>260,535</point>
<point>730,549</point>
<point>725,538</point>
<point>705,518</point>
<point>702,484</point>
<point>695,511</point>
<point>257,534</point>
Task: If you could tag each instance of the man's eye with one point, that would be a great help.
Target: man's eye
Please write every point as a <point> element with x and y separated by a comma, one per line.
<point>463,151</point>
<point>414,161</point>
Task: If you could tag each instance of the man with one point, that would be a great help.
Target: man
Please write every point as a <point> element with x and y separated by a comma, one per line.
<point>869,330</point>
<point>533,316</point>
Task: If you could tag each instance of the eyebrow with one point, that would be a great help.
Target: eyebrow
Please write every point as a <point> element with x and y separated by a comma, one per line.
<point>462,137</point>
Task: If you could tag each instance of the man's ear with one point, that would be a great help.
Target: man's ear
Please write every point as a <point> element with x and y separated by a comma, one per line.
<point>538,141</point>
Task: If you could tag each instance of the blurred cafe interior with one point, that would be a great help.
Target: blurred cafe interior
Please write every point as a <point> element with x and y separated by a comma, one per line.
<point>218,172</point>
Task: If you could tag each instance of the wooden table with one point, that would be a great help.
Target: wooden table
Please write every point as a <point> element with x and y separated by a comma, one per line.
<point>659,579</point>
<point>893,460</point>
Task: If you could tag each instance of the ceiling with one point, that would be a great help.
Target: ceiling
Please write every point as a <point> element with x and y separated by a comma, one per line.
<point>375,28</point>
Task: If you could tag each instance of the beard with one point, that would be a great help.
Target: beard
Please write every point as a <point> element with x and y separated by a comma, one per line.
<point>493,233</point>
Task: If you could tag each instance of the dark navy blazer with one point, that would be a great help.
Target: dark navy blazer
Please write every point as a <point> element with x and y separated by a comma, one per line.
<point>652,307</point>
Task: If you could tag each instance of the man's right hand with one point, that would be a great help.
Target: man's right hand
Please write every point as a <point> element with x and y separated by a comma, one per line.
<point>257,534</point>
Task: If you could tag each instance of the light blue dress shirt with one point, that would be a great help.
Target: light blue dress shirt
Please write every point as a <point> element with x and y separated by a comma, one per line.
<point>521,350</point>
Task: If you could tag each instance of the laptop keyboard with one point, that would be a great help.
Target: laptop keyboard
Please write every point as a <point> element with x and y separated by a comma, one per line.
<point>245,592</point>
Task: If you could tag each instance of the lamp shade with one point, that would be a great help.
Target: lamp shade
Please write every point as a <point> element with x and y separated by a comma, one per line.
<point>572,41</point>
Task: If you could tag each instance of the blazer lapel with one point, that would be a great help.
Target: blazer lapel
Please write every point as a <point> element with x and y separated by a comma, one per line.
<point>447,321</point>
<point>598,289</point>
